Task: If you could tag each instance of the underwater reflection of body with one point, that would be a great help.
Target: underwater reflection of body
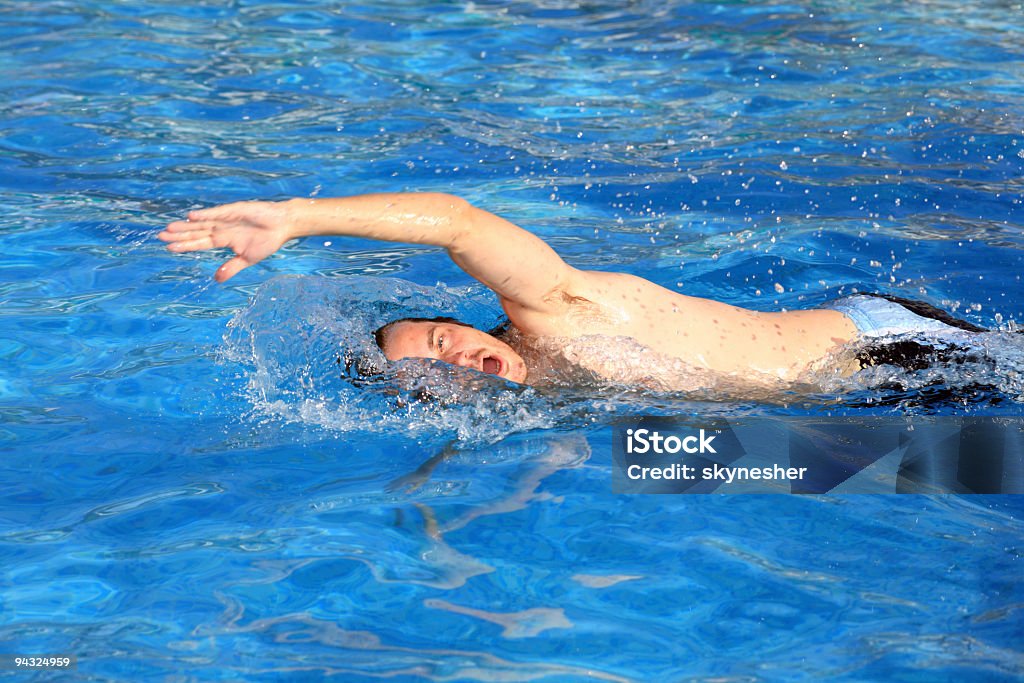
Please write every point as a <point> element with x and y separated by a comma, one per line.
<point>568,324</point>
<point>556,453</point>
<point>504,479</point>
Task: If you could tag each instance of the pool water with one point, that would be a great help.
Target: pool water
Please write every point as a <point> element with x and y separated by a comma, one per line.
<point>195,488</point>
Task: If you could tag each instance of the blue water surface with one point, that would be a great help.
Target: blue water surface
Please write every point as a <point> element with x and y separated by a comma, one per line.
<point>193,488</point>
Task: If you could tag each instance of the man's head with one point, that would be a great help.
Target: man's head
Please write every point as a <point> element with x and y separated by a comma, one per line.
<point>451,341</point>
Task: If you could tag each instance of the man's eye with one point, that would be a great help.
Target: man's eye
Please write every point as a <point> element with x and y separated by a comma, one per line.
<point>440,343</point>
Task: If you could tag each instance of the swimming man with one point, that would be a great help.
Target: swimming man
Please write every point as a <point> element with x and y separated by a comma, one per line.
<point>619,327</point>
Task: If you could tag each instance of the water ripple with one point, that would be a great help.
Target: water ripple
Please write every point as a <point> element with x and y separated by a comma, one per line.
<point>152,499</point>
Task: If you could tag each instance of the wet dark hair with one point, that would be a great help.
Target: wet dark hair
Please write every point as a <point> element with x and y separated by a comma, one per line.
<point>383,333</point>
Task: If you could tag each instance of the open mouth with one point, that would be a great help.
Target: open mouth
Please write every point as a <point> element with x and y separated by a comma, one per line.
<point>492,365</point>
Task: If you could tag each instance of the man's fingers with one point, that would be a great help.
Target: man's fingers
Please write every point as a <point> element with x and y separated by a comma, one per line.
<point>213,228</point>
<point>180,226</point>
<point>182,236</point>
<point>215,212</point>
<point>192,226</point>
<point>230,269</point>
<point>191,244</point>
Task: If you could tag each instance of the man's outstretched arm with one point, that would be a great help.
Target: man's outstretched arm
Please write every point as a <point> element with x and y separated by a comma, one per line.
<point>514,263</point>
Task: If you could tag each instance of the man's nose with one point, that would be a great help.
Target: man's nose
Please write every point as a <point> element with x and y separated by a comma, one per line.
<point>462,359</point>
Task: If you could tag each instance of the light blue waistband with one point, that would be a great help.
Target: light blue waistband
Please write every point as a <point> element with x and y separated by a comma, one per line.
<point>878,317</point>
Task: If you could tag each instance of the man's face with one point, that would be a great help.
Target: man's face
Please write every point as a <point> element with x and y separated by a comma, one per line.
<point>456,344</point>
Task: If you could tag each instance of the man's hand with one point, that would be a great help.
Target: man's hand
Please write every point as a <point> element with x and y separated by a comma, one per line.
<point>532,282</point>
<point>253,230</point>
